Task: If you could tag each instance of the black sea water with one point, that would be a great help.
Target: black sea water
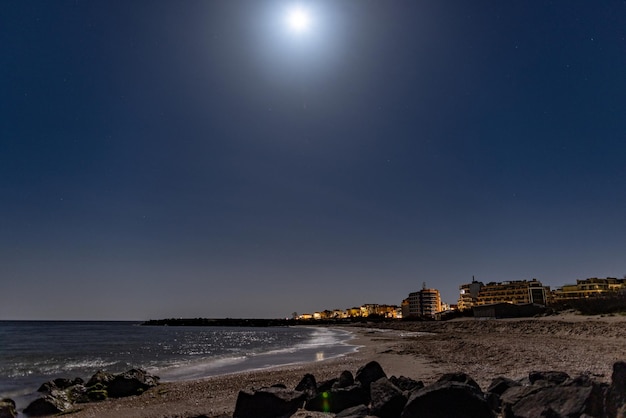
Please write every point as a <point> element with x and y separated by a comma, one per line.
<point>32,352</point>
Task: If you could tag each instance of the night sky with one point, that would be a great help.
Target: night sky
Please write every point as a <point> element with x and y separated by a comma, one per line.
<point>204,159</point>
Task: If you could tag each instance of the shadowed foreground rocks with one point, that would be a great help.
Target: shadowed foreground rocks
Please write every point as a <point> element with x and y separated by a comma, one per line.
<point>7,409</point>
<point>549,394</point>
<point>61,395</point>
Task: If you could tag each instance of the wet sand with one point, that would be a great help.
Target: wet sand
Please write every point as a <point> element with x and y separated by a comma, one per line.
<point>421,350</point>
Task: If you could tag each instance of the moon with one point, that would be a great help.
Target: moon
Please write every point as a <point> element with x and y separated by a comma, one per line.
<point>298,19</point>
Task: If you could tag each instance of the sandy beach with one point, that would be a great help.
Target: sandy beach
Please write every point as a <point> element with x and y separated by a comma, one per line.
<point>420,350</point>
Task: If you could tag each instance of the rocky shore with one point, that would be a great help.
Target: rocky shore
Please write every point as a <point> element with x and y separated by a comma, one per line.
<point>420,351</point>
<point>372,394</point>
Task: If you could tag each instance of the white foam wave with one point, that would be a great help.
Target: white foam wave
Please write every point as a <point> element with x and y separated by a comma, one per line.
<point>197,369</point>
<point>320,339</point>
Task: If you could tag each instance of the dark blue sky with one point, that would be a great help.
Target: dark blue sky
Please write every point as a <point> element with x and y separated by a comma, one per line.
<point>165,158</point>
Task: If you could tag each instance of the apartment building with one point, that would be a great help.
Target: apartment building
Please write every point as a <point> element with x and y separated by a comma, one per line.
<point>589,288</point>
<point>425,303</point>
<point>468,295</point>
<point>515,291</point>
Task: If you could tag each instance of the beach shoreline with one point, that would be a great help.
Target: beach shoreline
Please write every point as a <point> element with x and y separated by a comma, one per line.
<point>422,351</point>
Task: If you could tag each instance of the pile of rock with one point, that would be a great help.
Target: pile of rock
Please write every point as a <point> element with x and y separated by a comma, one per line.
<point>371,394</point>
<point>60,395</point>
<point>7,409</point>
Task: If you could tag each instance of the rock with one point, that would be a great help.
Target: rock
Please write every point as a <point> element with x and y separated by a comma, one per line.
<point>132,382</point>
<point>60,383</point>
<point>369,373</point>
<point>338,399</point>
<point>97,393</point>
<point>100,377</point>
<point>460,378</point>
<point>77,394</point>
<point>308,386</point>
<point>557,401</point>
<point>595,404</point>
<point>498,386</point>
<point>269,402</point>
<point>359,411</point>
<point>551,377</point>
<point>387,400</point>
<point>447,399</point>
<point>513,395</point>
<point>54,403</point>
<point>406,384</point>
<point>326,385</point>
<point>616,394</point>
<point>7,408</point>
<point>345,379</point>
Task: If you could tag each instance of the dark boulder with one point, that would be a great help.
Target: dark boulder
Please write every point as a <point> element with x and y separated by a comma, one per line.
<point>132,382</point>
<point>327,385</point>
<point>359,411</point>
<point>54,403</point>
<point>387,400</point>
<point>556,401</point>
<point>459,377</point>
<point>7,408</point>
<point>595,404</point>
<point>513,395</point>
<point>549,377</point>
<point>97,393</point>
<point>100,377</point>
<point>345,379</point>
<point>369,373</point>
<point>498,386</point>
<point>77,394</point>
<point>269,402</point>
<point>406,383</point>
<point>308,385</point>
<point>59,384</point>
<point>338,399</point>
<point>447,399</point>
<point>616,394</point>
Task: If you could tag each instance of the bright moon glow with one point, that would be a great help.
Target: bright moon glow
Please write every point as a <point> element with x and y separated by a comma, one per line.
<point>298,19</point>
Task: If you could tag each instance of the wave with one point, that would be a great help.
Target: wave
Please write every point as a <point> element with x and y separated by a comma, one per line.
<point>55,367</point>
<point>321,338</point>
<point>323,344</point>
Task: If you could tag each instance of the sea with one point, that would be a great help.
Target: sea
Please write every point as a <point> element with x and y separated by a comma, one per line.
<point>33,352</point>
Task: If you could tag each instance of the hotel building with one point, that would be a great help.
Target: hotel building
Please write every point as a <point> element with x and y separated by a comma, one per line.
<point>589,288</point>
<point>515,291</point>
<point>424,303</point>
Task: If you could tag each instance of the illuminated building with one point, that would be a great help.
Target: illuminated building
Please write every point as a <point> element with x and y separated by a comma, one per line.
<point>468,294</point>
<point>589,288</point>
<point>425,303</point>
<point>514,291</point>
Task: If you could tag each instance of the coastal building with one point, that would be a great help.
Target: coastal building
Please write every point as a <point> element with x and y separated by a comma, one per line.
<point>404,308</point>
<point>514,291</point>
<point>424,303</point>
<point>338,313</point>
<point>589,288</point>
<point>384,311</point>
<point>369,309</point>
<point>468,294</point>
<point>388,311</point>
<point>353,312</point>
